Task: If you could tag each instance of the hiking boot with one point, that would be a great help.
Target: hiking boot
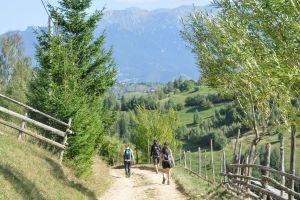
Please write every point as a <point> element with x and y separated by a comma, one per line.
<point>168,182</point>
<point>164,180</point>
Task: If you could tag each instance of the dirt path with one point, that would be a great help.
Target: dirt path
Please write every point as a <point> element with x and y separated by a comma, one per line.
<point>143,184</point>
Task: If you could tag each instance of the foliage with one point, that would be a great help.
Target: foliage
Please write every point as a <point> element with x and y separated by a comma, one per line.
<point>200,101</point>
<point>153,124</point>
<point>74,72</point>
<point>150,102</point>
<point>219,139</point>
<point>275,162</point>
<point>110,148</point>
<point>179,85</point>
<point>15,69</point>
<point>197,118</point>
<point>239,52</point>
<point>170,104</point>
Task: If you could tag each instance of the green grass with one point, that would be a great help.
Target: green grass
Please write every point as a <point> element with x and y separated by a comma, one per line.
<point>186,116</point>
<point>197,188</point>
<point>30,172</point>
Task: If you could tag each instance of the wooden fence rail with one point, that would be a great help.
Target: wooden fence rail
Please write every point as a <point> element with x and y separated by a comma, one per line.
<point>25,119</point>
<point>264,187</point>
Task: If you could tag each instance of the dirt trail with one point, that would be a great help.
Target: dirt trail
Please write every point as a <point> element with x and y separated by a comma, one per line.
<point>143,184</point>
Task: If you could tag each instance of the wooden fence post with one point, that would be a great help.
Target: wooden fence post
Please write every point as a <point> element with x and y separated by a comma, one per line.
<point>282,162</point>
<point>184,157</point>
<point>148,143</point>
<point>21,134</point>
<point>267,164</point>
<point>205,167</point>
<point>224,166</point>
<point>174,152</point>
<point>292,158</point>
<point>199,161</point>
<point>212,162</point>
<point>190,153</point>
<point>180,157</point>
<point>235,146</point>
<point>61,156</point>
<point>221,166</point>
<point>238,170</point>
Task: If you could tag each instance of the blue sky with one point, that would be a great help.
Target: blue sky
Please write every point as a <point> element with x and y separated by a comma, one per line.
<point>19,14</point>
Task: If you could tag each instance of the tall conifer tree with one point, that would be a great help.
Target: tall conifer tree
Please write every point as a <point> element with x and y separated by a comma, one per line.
<point>75,70</point>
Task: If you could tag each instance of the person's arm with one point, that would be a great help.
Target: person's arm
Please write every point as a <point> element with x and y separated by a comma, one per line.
<point>132,157</point>
<point>160,159</point>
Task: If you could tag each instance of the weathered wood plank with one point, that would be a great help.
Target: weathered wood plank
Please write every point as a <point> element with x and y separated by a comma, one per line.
<point>293,158</point>
<point>281,187</point>
<point>291,176</point>
<point>240,176</point>
<point>258,189</point>
<point>36,123</point>
<point>11,125</point>
<point>33,110</point>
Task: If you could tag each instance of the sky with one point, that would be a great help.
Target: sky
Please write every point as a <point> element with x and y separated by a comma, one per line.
<point>19,14</point>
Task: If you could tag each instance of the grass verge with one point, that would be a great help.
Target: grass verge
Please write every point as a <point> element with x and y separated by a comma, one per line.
<point>197,188</point>
<point>30,172</point>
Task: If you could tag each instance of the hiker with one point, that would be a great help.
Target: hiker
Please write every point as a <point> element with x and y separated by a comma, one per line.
<point>167,161</point>
<point>155,154</point>
<point>128,160</point>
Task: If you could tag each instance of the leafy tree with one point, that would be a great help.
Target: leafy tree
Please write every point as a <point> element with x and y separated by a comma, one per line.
<point>182,132</point>
<point>219,139</point>
<point>239,52</point>
<point>75,70</point>
<point>197,118</point>
<point>153,124</point>
<point>15,68</point>
<point>123,125</point>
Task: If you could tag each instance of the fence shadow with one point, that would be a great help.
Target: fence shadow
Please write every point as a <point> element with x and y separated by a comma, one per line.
<point>59,174</point>
<point>22,185</point>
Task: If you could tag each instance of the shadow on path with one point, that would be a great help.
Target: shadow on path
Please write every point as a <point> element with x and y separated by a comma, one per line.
<point>22,185</point>
<point>59,174</point>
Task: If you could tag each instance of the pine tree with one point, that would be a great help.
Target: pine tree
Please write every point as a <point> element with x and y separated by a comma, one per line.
<point>75,70</point>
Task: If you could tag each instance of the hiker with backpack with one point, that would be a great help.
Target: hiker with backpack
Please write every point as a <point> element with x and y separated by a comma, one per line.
<point>128,160</point>
<point>167,161</point>
<point>155,154</point>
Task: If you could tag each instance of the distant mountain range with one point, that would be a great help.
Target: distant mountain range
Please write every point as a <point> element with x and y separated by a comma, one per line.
<point>147,44</point>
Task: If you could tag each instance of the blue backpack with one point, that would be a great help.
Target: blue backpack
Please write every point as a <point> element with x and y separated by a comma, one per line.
<point>127,154</point>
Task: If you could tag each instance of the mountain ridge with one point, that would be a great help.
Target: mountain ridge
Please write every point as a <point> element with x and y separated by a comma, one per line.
<point>147,43</point>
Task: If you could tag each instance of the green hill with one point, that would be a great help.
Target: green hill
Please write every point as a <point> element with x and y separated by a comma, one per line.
<point>30,172</point>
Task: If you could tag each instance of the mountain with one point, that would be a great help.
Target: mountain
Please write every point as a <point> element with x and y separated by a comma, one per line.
<point>147,44</point>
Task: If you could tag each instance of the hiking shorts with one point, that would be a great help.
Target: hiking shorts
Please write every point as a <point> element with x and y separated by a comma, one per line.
<point>166,165</point>
<point>155,160</point>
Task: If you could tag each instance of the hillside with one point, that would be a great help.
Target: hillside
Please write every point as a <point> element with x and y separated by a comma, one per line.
<point>146,43</point>
<point>30,172</point>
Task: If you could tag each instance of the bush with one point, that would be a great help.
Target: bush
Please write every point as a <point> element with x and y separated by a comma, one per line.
<point>219,139</point>
<point>200,101</point>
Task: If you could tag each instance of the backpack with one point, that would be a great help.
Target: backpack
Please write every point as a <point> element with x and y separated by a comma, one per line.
<point>156,150</point>
<point>127,154</point>
<point>165,153</point>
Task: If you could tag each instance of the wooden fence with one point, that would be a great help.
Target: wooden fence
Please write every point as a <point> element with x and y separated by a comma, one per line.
<point>26,119</point>
<point>240,178</point>
<point>205,167</point>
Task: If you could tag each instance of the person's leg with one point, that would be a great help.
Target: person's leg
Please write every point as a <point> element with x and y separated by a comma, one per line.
<point>129,168</point>
<point>164,179</point>
<point>169,175</point>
